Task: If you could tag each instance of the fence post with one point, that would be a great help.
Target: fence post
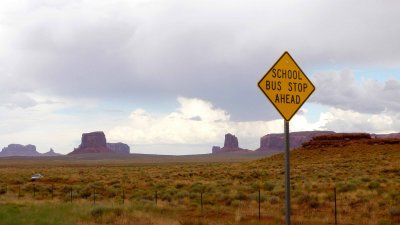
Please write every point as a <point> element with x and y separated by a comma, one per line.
<point>94,195</point>
<point>123,195</point>
<point>156,198</point>
<point>334,195</point>
<point>259,204</point>
<point>201,202</point>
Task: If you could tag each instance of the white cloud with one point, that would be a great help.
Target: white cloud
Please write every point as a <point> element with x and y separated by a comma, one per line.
<point>53,123</point>
<point>350,121</point>
<point>177,133</point>
<point>179,127</point>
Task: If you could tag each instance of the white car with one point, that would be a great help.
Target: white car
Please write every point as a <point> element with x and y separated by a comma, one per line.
<point>36,177</point>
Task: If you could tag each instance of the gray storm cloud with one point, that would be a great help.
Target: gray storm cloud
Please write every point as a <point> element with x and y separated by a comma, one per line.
<point>215,51</point>
<point>342,90</point>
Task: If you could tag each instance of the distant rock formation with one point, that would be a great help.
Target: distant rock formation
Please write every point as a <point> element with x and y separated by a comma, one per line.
<point>215,149</point>
<point>336,140</point>
<point>345,139</point>
<point>119,148</point>
<point>51,153</point>
<point>19,150</point>
<point>231,144</point>
<point>231,141</point>
<point>94,142</point>
<point>276,142</point>
<point>393,135</point>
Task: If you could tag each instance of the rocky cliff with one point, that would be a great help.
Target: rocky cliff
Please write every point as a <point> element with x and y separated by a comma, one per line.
<point>19,150</point>
<point>276,142</point>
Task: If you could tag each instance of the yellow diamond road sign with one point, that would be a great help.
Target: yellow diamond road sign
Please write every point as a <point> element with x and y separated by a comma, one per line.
<point>286,86</point>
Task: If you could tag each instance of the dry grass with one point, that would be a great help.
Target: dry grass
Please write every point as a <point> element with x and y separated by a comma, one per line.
<point>367,179</point>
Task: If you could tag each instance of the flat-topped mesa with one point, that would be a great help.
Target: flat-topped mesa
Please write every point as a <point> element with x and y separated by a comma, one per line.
<point>276,142</point>
<point>119,148</point>
<point>344,136</point>
<point>386,136</point>
<point>94,142</point>
<point>337,140</point>
<point>19,150</point>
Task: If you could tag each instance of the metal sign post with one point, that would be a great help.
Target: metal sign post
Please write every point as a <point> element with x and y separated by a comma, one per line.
<point>287,88</point>
<point>287,174</point>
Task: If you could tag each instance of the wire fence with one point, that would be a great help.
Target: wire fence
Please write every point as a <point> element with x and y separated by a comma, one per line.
<point>317,206</point>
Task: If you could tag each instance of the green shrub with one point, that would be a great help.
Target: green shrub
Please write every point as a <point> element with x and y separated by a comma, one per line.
<point>346,187</point>
<point>85,192</point>
<point>241,196</point>
<point>269,186</point>
<point>314,203</point>
<point>254,187</point>
<point>374,185</point>
<point>112,192</point>
<point>192,222</point>
<point>395,195</point>
<point>254,197</point>
<point>385,222</point>
<point>179,185</point>
<point>99,211</point>
<point>365,179</point>
<point>182,194</point>
<point>118,211</point>
<point>197,187</point>
<point>274,200</point>
<point>303,199</point>
<point>40,214</point>
<point>394,211</point>
<point>160,186</point>
<point>236,203</point>
<point>166,197</point>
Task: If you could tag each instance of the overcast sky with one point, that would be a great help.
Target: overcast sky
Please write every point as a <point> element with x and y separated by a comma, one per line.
<point>173,76</point>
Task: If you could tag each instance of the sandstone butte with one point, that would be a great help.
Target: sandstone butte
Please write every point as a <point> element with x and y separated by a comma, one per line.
<point>95,142</point>
<point>231,144</point>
